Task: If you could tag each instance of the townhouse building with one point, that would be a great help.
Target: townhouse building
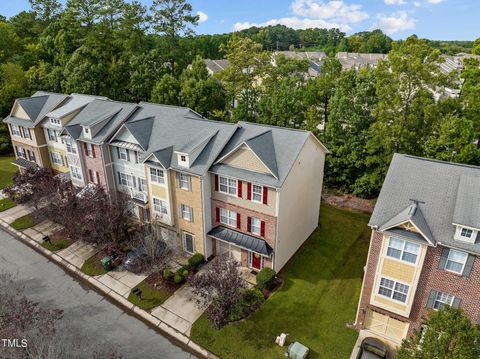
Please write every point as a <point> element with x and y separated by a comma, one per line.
<point>424,248</point>
<point>28,138</point>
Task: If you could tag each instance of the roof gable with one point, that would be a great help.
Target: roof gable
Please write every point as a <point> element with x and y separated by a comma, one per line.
<point>32,105</point>
<point>141,130</point>
<point>243,157</point>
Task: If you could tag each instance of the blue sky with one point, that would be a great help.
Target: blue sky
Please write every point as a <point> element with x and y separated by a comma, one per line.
<point>433,19</point>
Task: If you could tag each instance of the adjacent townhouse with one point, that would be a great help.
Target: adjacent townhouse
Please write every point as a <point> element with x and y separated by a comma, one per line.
<point>59,147</point>
<point>265,194</point>
<point>161,157</point>
<point>28,138</point>
<point>89,157</point>
<point>358,60</point>
<point>424,248</point>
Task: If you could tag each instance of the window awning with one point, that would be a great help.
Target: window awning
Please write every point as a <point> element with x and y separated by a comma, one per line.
<point>22,162</point>
<point>241,240</point>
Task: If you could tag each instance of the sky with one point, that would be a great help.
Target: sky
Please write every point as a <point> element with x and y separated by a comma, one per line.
<point>432,19</point>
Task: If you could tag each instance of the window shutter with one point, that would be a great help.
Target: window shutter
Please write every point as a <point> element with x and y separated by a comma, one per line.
<point>265,195</point>
<point>118,152</point>
<point>249,191</point>
<point>468,265</point>
<point>216,183</point>
<point>134,179</point>
<point>30,134</point>
<point>217,214</point>
<point>63,161</point>
<point>431,298</point>
<point>119,179</point>
<point>128,155</point>
<point>177,176</point>
<point>456,302</point>
<point>191,213</point>
<point>189,183</point>
<point>85,149</point>
<point>93,151</point>
<point>98,177</point>
<point>249,224</point>
<point>443,258</point>
<point>90,175</point>
<point>239,188</point>
<point>262,228</point>
<point>238,221</point>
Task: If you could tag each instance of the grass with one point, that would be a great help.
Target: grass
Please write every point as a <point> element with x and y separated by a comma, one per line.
<point>5,204</point>
<point>24,222</point>
<point>319,296</point>
<point>7,170</point>
<point>151,297</point>
<point>92,266</point>
<point>56,245</point>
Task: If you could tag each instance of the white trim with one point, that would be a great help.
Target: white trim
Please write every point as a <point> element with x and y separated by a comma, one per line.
<point>261,194</point>
<point>228,185</point>
<point>184,241</point>
<point>403,250</point>
<point>413,224</point>
<point>463,264</point>
<point>465,226</point>
<point>407,295</point>
<point>250,260</point>
<point>444,303</point>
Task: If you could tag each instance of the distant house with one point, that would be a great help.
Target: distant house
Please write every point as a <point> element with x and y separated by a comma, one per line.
<point>214,66</point>
<point>358,61</point>
<point>424,249</point>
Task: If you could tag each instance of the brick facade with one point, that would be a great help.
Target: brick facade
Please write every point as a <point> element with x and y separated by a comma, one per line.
<point>94,164</point>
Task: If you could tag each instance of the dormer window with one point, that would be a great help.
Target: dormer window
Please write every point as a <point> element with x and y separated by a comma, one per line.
<point>55,121</point>
<point>465,234</point>
<point>183,160</point>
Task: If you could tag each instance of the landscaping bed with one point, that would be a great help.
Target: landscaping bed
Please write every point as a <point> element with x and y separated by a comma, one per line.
<point>5,204</point>
<point>155,290</point>
<point>24,222</point>
<point>58,241</point>
<point>319,296</point>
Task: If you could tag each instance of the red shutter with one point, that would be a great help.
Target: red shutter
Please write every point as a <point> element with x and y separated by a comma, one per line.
<point>217,214</point>
<point>249,191</point>
<point>93,151</point>
<point>238,220</point>
<point>90,176</point>
<point>265,195</point>
<point>239,188</point>
<point>262,228</point>
<point>249,224</point>
<point>98,178</point>
<point>216,183</point>
<point>85,149</point>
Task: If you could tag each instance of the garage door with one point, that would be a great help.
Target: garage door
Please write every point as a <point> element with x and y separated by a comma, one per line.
<point>386,326</point>
<point>231,250</point>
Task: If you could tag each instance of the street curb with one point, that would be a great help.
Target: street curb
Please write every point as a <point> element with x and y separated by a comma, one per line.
<point>154,322</point>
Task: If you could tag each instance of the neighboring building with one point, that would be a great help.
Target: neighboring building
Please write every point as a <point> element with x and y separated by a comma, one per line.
<point>28,139</point>
<point>214,66</point>
<point>359,61</point>
<point>424,248</point>
<point>315,59</point>
<point>266,189</point>
<point>58,147</point>
<point>89,131</point>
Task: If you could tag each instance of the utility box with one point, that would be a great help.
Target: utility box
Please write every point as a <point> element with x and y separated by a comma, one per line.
<point>107,263</point>
<point>297,351</point>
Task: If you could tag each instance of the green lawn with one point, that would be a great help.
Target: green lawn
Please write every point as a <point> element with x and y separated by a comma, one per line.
<point>57,245</point>
<point>93,267</point>
<point>7,170</point>
<point>151,297</point>
<point>5,204</point>
<point>24,222</point>
<point>319,296</point>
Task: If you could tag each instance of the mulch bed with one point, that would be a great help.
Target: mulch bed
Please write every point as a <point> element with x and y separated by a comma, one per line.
<point>156,281</point>
<point>349,201</point>
<point>277,284</point>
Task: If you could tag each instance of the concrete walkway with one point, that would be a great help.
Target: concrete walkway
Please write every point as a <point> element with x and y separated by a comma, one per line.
<point>121,281</point>
<point>15,212</point>
<point>44,228</point>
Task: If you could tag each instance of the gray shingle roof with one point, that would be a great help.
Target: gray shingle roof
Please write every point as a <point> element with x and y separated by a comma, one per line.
<point>467,204</point>
<point>216,65</point>
<point>437,185</point>
<point>22,162</point>
<point>242,240</point>
<point>75,102</point>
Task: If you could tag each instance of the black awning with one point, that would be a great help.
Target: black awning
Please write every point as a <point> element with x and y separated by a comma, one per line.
<point>22,162</point>
<point>241,240</point>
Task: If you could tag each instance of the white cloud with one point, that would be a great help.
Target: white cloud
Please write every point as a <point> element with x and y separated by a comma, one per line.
<point>202,17</point>
<point>395,22</point>
<point>394,2</point>
<point>316,13</point>
<point>417,3</point>
<point>435,1</point>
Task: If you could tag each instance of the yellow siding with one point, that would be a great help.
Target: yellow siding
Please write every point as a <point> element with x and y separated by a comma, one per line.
<point>158,191</point>
<point>397,270</point>
<point>390,303</point>
<point>243,157</point>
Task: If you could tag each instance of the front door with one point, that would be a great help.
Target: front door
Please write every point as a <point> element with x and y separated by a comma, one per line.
<point>256,261</point>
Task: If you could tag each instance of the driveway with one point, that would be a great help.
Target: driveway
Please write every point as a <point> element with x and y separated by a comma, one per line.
<point>86,313</point>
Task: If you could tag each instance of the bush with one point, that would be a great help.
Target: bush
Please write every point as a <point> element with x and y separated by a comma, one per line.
<point>265,278</point>
<point>183,271</point>
<point>251,300</point>
<point>167,274</point>
<point>195,260</point>
<point>178,278</point>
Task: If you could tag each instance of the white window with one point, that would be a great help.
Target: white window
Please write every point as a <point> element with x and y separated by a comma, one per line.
<point>160,206</point>
<point>442,299</point>
<point>456,261</point>
<point>75,172</point>
<point>31,155</point>
<point>56,158</point>
<point>183,158</point>
<point>55,121</point>
<point>122,153</point>
<point>89,150</point>
<point>16,131</point>
<point>257,193</point>
<point>184,181</point>
<point>94,175</point>
<point>126,180</point>
<point>403,250</point>
<point>71,147</point>
<point>466,233</point>
<point>52,135</point>
<point>228,217</point>
<point>142,184</point>
<point>26,133</point>
<point>21,152</point>
<point>393,290</point>
<point>256,226</point>
<point>137,156</point>
<point>157,176</point>
<point>188,242</point>
<point>228,185</point>
<point>186,212</point>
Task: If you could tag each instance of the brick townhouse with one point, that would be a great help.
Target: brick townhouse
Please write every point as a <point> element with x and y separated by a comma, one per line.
<point>424,248</point>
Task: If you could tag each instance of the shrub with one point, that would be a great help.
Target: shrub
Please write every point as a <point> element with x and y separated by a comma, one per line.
<point>265,278</point>
<point>196,260</point>
<point>167,274</point>
<point>178,278</point>
<point>183,271</point>
<point>250,301</point>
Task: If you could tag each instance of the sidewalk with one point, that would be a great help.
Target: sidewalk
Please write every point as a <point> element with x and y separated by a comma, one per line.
<point>174,318</point>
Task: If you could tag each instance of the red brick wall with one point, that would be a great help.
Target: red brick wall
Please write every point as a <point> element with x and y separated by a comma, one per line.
<point>270,221</point>
<point>375,248</point>
<point>94,164</point>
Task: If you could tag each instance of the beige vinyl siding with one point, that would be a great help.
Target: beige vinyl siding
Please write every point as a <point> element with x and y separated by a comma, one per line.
<point>385,326</point>
<point>244,158</point>
<point>395,269</point>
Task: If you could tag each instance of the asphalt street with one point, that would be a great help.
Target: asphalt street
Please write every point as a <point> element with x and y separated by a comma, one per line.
<point>86,313</point>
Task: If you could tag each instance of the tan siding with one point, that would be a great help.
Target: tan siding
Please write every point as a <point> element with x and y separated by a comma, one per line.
<point>397,270</point>
<point>19,112</point>
<point>158,191</point>
<point>390,303</point>
<point>244,158</point>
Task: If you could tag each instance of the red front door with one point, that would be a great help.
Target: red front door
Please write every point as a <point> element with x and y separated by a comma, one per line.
<point>256,261</point>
